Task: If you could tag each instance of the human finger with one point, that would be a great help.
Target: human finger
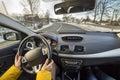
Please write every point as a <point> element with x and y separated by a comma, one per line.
<point>50,65</point>
<point>46,62</point>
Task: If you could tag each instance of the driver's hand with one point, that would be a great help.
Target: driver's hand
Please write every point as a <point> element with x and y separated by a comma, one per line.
<point>48,66</point>
<point>17,61</point>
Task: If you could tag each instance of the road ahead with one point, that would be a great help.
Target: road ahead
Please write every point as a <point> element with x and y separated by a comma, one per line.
<point>56,27</point>
<point>60,27</point>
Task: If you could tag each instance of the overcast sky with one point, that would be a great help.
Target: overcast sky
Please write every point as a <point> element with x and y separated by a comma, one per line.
<point>14,6</point>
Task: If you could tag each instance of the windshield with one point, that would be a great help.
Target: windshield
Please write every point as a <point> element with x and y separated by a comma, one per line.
<point>39,16</point>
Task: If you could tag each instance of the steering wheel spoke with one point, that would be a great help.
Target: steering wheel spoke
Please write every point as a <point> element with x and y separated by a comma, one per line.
<point>37,68</point>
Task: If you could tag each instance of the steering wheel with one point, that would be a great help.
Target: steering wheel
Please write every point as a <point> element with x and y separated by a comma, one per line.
<point>34,58</point>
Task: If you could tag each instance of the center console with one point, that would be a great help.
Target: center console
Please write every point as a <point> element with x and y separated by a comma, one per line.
<point>69,45</point>
<point>70,75</point>
<point>71,64</point>
<point>71,69</point>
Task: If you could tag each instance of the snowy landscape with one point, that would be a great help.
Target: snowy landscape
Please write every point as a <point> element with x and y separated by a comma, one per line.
<point>1,39</point>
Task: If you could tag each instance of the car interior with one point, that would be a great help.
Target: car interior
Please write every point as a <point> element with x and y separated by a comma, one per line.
<point>79,54</point>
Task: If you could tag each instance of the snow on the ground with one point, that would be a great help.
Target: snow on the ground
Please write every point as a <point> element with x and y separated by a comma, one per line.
<point>43,27</point>
<point>1,40</point>
<point>94,28</point>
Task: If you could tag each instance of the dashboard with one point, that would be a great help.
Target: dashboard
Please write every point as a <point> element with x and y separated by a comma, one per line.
<point>75,49</point>
<point>71,49</point>
<point>86,43</point>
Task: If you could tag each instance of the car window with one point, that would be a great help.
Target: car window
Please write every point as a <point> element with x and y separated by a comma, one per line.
<point>40,16</point>
<point>10,37</point>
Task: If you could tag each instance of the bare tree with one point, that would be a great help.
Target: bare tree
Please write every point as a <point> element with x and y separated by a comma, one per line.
<point>102,9</point>
<point>115,15</point>
<point>30,9</point>
<point>30,6</point>
<point>25,9</point>
<point>47,16</point>
<point>96,10</point>
<point>105,7</point>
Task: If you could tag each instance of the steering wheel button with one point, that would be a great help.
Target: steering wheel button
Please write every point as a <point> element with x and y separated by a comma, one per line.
<point>24,60</point>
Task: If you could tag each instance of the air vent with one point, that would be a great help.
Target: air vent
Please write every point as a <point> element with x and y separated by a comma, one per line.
<point>72,38</point>
<point>79,49</point>
<point>64,48</point>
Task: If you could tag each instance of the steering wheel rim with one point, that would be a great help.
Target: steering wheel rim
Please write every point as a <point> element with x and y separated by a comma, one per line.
<point>35,68</point>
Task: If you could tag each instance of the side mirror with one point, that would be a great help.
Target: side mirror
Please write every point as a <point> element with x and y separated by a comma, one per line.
<point>12,36</point>
<point>73,6</point>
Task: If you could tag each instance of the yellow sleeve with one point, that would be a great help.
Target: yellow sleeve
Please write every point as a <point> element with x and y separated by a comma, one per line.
<point>43,75</point>
<point>11,74</point>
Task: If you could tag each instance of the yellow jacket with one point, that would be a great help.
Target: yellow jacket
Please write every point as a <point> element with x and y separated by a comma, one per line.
<point>13,73</point>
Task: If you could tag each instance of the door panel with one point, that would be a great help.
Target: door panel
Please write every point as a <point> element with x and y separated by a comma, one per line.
<point>8,49</point>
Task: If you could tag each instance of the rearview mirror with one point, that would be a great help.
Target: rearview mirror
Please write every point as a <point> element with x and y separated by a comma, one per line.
<point>74,6</point>
<point>11,36</point>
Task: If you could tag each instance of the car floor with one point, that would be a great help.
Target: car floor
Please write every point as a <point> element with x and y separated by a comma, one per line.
<point>104,72</point>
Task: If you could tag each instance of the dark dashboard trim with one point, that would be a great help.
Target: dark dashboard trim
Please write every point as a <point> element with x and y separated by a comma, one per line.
<point>106,54</point>
<point>6,56</point>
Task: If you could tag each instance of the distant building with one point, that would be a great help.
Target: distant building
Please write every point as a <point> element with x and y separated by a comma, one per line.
<point>3,9</point>
<point>35,21</point>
